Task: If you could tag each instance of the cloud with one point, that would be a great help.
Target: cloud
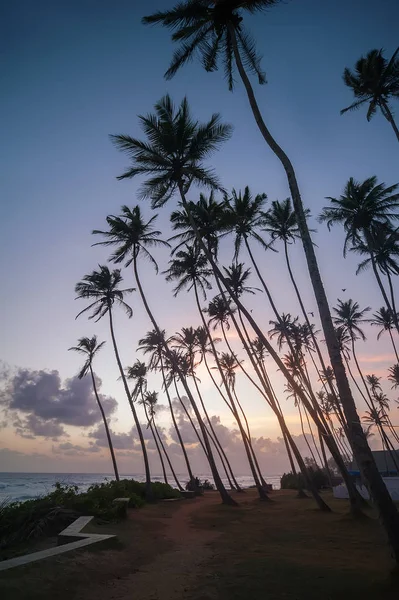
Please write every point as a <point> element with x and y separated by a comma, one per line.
<point>39,427</point>
<point>69,449</point>
<point>49,403</point>
<point>120,441</point>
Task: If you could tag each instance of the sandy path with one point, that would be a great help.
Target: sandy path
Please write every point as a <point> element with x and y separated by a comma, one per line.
<point>172,573</point>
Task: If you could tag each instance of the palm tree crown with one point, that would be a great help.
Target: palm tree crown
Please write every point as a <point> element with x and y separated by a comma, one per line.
<point>349,316</point>
<point>174,150</point>
<point>89,348</point>
<point>244,216</point>
<point>384,245</point>
<point>374,81</point>
<point>132,234</point>
<point>189,268</point>
<point>383,318</point>
<point>208,215</point>
<point>280,221</point>
<point>362,209</point>
<point>205,27</point>
<point>102,286</point>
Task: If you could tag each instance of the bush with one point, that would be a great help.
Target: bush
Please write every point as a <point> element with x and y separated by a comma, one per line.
<point>23,521</point>
<point>319,477</point>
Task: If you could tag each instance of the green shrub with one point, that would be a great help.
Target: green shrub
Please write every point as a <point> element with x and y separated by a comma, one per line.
<point>319,477</point>
<point>22,521</point>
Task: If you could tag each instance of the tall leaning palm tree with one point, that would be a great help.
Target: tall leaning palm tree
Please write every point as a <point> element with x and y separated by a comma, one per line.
<point>385,249</point>
<point>374,82</point>
<point>103,287</point>
<point>132,236</point>
<point>214,30</point>
<point>363,209</point>
<point>153,344</point>
<point>89,347</point>
<point>383,319</point>
<point>138,373</point>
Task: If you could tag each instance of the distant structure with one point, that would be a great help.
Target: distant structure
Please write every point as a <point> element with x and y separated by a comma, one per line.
<point>387,468</point>
<point>384,462</point>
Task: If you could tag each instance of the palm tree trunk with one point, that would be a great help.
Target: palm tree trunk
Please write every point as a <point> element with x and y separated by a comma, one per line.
<point>213,436</point>
<point>167,458</point>
<point>305,315</point>
<point>389,117</point>
<point>225,497</point>
<point>385,505</point>
<point>189,418</point>
<point>148,491</point>
<point>190,473</point>
<point>111,448</point>
<point>393,345</point>
<point>262,493</point>
<point>380,284</point>
<point>156,444</point>
<point>323,452</point>
<point>304,434</point>
<point>391,292</point>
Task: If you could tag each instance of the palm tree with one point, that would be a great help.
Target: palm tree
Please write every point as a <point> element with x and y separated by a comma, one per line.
<point>138,372</point>
<point>153,343</point>
<point>394,375</point>
<point>215,30</point>
<point>102,286</point>
<point>187,341</point>
<point>190,269</point>
<point>381,401</point>
<point>349,317</point>
<point>375,81</point>
<point>132,235</point>
<point>363,209</point>
<point>151,400</point>
<point>209,218</point>
<point>383,318</point>
<point>385,246</point>
<point>244,216</point>
<point>280,223</point>
<point>89,347</point>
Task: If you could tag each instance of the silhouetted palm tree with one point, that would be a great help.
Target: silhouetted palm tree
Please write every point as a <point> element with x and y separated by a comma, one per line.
<point>375,81</point>
<point>208,214</point>
<point>187,341</point>
<point>394,375</point>
<point>383,319</point>
<point>102,286</point>
<point>138,373</point>
<point>89,348</point>
<point>350,316</point>
<point>363,209</point>
<point>153,343</point>
<point>385,246</point>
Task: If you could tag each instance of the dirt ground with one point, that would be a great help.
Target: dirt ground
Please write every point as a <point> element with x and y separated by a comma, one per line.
<point>200,550</point>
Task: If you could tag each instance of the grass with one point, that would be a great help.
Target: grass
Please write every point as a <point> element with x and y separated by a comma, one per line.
<point>290,550</point>
<point>282,550</point>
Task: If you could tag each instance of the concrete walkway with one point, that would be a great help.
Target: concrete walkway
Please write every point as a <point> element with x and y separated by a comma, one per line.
<point>71,535</point>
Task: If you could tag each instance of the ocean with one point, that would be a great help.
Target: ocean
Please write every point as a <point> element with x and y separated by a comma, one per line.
<point>25,486</point>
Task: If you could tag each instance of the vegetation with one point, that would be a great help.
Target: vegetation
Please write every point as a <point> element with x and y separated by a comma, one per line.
<point>22,522</point>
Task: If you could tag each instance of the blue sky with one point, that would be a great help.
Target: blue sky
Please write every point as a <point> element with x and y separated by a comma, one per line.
<point>76,71</point>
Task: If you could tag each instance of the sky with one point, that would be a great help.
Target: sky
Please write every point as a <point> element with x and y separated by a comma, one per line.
<point>75,72</point>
